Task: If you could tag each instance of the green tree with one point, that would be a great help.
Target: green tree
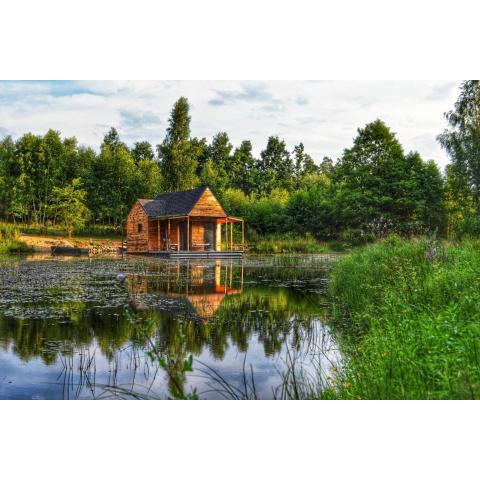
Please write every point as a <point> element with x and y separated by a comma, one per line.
<point>211,177</point>
<point>311,211</point>
<point>9,173</point>
<point>459,202</point>
<point>68,206</point>
<point>303,163</point>
<point>219,154</point>
<point>148,178</point>
<point>142,151</point>
<point>327,167</point>
<point>178,155</point>
<point>112,189</point>
<point>427,192</point>
<point>461,139</point>
<point>374,181</point>
<point>242,172</point>
<point>275,167</point>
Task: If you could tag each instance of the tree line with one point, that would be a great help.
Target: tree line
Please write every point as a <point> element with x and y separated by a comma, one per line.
<point>374,188</point>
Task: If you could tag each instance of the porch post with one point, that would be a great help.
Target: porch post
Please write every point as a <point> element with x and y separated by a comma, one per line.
<point>243,235</point>
<point>188,233</point>
<point>158,234</point>
<point>168,235</point>
<point>231,235</point>
<point>226,233</point>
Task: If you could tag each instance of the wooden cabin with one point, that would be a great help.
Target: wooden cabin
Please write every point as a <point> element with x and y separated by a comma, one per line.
<point>187,223</point>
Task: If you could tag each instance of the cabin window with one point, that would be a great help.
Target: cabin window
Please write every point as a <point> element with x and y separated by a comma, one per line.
<point>140,227</point>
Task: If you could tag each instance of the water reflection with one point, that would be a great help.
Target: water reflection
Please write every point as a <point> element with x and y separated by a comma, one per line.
<point>70,329</point>
<point>203,285</point>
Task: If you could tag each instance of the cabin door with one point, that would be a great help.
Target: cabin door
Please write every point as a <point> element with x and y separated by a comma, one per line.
<point>209,236</point>
<point>182,234</point>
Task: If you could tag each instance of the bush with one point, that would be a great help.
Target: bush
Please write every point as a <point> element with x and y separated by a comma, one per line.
<point>352,237</point>
<point>468,227</point>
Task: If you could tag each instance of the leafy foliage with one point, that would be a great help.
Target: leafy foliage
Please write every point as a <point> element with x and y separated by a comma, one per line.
<point>462,142</point>
<point>68,205</point>
<point>374,189</point>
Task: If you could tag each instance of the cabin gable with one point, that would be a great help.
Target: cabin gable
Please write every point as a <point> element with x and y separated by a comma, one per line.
<point>137,229</point>
<point>207,206</point>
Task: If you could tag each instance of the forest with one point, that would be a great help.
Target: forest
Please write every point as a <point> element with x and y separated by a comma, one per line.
<point>375,188</point>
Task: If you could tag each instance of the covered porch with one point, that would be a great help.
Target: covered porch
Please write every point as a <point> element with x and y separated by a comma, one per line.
<point>196,236</point>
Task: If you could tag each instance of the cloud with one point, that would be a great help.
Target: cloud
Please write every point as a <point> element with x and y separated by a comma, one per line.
<point>301,100</point>
<point>137,119</point>
<point>217,102</point>
<point>323,115</point>
<point>441,91</point>
<point>44,88</point>
<point>249,92</point>
<point>311,120</point>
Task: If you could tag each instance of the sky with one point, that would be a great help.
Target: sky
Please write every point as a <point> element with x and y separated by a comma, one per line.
<point>324,115</point>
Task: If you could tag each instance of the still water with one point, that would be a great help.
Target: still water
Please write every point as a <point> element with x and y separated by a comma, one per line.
<point>97,328</point>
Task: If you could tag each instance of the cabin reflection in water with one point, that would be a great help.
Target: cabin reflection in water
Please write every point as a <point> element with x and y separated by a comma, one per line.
<point>203,285</point>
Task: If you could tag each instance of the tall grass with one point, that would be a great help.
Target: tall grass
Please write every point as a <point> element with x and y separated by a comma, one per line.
<point>108,231</point>
<point>408,321</point>
<point>9,240</point>
<point>277,244</point>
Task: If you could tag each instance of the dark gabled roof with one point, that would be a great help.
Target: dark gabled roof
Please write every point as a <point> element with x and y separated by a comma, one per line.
<point>170,204</point>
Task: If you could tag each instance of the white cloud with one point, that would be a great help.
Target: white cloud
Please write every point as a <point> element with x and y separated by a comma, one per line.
<point>323,115</point>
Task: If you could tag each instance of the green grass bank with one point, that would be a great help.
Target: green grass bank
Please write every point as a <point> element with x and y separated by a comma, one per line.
<point>408,321</point>
<point>288,243</point>
<point>9,240</point>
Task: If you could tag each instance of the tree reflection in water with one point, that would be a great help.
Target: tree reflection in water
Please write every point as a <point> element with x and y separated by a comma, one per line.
<point>172,329</point>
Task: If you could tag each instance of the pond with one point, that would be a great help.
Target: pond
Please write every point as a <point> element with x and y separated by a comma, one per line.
<point>143,327</point>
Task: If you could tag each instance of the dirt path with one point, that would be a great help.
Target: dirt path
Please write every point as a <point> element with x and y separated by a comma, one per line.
<point>42,243</point>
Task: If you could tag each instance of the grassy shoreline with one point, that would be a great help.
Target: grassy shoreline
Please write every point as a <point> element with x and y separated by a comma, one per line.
<point>14,246</point>
<point>277,244</point>
<point>408,323</point>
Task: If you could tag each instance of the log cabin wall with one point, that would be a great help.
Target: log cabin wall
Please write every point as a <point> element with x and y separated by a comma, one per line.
<point>137,230</point>
<point>197,234</point>
<point>154,235</point>
<point>207,206</point>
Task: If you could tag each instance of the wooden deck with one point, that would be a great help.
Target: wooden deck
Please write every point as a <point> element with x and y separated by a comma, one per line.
<point>197,254</point>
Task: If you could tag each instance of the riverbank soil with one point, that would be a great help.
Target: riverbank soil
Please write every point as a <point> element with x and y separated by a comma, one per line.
<point>44,243</point>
